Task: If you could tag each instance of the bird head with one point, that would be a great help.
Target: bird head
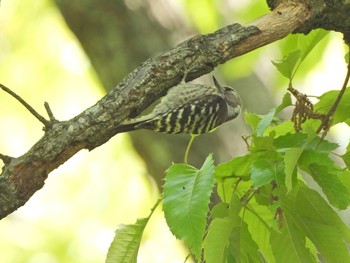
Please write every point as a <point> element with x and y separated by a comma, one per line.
<point>232,98</point>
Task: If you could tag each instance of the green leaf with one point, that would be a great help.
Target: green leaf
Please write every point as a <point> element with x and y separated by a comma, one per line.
<point>289,243</point>
<point>290,140</point>
<point>326,101</point>
<point>216,241</point>
<point>260,222</point>
<point>261,123</point>
<point>291,158</point>
<point>228,238</point>
<point>322,225</point>
<point>282,128</point>
<point>346,158</point>
<point>306,43</point>
<point>237,167</point>
<point>220,210</point>
<point>252,120</point>
<point>321,145</point>
<point>265,122</point>
<point>287,64</point>
<point>126,243</point>
<point>326,173</point>
<point>187,193</point>
<point>310,204</point>
<point>225,187</point>
<point>263,172</point>
<point>262,144</point>
<point>328,243</point>
<point>312,156</point>
<point>286,101</point>
<point>241,245</point>
<point>337,194</point>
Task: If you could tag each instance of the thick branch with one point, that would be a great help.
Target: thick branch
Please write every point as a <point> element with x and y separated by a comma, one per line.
<point>330,15</point>
<point>23,176</point>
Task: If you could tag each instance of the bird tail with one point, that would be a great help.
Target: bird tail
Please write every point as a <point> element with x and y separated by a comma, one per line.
<point>124,128</point>
<point>129,125</point>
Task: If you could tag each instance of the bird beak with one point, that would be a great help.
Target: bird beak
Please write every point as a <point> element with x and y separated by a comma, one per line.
<point>216,83</point>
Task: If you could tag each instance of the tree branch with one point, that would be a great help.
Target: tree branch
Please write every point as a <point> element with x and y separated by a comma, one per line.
<point>23,176</point>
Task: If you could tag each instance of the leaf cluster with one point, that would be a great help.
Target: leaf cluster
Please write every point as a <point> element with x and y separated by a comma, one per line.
<point>269,210</point>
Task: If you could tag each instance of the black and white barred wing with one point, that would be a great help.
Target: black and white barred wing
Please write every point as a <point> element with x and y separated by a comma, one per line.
<point>196,116</point>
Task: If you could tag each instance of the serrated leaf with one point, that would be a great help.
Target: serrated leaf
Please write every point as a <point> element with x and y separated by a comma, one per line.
<point>287,64</point>
<point>306,43</point>
<point>263,172</point>
<point>126,243</point>
<point>187,193</point>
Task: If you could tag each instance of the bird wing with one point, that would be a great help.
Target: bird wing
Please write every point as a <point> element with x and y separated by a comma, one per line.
<point>181,95</point>
<point>200,115</point>
<point>176,97</point>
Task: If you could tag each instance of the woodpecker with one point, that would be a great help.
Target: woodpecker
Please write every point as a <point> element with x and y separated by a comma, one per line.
<point>189,109</point>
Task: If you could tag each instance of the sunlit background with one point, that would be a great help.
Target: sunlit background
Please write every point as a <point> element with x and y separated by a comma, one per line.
<point>73,218</point>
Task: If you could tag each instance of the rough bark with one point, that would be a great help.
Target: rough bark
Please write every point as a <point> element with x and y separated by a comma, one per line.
<point>23,176</point>
<point>326,14</point>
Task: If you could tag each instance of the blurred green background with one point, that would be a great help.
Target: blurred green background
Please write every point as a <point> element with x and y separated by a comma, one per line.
<point>70,53</point>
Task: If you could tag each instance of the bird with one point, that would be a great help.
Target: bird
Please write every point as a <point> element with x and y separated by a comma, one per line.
<point>189,109</point>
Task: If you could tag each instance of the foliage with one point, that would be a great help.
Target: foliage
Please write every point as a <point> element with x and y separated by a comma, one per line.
<point>126,243</point>
<point>268,212</point>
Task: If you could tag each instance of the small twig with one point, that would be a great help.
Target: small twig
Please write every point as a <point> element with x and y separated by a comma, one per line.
<point>26,105</point>
<point>325,123</point>
<point>245,139</point>
<point>5,158</point>
<point>49,112</point>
